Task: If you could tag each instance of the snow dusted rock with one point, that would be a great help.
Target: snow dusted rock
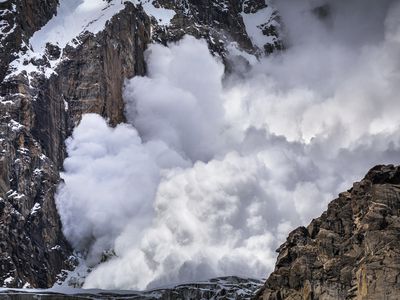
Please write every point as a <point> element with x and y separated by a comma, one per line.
<point>30,230</point>
<point>18,21</point>
<point>251,26</point>
<point>29,224</point>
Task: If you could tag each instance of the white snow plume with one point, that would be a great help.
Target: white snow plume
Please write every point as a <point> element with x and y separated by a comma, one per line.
<point>247,160</point>
<point>188,116</point>
<point>110,178</point>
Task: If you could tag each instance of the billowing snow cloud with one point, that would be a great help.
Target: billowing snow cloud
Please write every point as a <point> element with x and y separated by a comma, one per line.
<point>189,115</point>
<point>109,177</point>
<point>213,172</point>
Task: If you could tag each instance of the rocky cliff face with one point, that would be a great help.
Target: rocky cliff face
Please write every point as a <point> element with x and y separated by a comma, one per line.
<point>38,113</point>
<point>42,98</point>
<point>350,252</point>
<point>32,246</point>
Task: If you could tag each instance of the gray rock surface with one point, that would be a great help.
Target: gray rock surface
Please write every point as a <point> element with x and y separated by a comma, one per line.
<point>351,252</point>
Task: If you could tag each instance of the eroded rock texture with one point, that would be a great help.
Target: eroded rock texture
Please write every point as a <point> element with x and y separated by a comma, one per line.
<point>351,252</point>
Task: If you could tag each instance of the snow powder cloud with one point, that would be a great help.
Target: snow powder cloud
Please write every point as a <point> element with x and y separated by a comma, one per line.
<point>213,172</point>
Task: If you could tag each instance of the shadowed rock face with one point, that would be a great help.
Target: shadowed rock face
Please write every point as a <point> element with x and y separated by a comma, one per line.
<point>351,252</point>
<point>32,247</point>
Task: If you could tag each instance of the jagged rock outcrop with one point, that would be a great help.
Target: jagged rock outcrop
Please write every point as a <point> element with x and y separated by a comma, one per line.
<point>351,252</point>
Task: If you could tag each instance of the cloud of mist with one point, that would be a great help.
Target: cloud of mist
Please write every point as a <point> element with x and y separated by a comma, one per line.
<point>188,116</point>
<point>109,177</point>
<point>213,172</point>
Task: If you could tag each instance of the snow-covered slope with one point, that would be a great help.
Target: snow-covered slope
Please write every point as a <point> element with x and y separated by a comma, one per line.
<point>73,18</point>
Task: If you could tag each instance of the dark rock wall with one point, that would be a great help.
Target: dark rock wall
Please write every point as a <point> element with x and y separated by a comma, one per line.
<point>351,252</point>
<point>32,247</point>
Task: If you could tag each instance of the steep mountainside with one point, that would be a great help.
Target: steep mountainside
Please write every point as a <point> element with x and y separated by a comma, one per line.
<point>44,94</point>
<point>350,252</point>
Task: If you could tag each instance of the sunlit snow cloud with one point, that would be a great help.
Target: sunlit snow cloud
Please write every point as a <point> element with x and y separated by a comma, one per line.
<point>213,172</point>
